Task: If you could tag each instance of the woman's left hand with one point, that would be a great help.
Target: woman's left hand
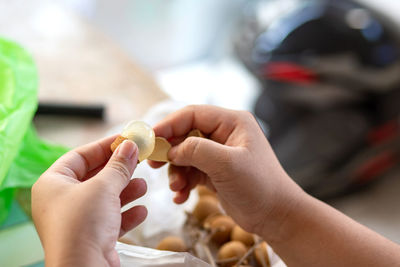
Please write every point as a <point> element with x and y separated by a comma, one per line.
<point>76,204</point>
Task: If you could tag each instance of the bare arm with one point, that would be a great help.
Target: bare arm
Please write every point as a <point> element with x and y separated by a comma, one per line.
<point>315,234</point>
<point>239,164</point>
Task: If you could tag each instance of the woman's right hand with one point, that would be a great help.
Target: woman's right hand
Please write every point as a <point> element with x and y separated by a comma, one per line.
<point>235,160</point>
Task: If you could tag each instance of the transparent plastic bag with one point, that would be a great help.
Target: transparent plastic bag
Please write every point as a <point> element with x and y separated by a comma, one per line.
<point>147,257</point>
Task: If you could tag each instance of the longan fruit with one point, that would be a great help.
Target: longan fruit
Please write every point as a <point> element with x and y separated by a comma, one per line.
<point>203,190</point>
<point>221,226</point>
<point>142,134</point>
<point>172,243</point>
<point>232,249</point>
<point>210,218</point>
<point>261,254</point>
<point>206,206</point>
<point>241,235</point>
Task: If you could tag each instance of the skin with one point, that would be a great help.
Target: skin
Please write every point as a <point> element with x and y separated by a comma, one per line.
<point>239,164</point>
<point>235,160</point>
<point>76,204</point>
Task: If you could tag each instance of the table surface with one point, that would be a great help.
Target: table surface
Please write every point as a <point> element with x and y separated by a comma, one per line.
<point>77,64</point>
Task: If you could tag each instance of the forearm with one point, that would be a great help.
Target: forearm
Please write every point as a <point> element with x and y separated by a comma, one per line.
<point>315,234</point>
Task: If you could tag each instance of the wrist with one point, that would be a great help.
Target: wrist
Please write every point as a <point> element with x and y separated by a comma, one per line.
<point>66,254</point>
<point>282,220</point>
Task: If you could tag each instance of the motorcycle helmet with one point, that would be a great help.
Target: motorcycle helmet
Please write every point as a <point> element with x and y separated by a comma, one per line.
<point>330,72</point>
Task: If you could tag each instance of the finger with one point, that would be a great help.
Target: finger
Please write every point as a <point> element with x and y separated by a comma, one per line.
<point>204,154</point>
<point>182,121</point>
<point>78,162</point>
<point>155,164</point>
<point>132,218</point>
<point>119,169</point>
<point>177,177</point>
<point>183,194</point>
<point>135,189</point>
<point>176,140</point>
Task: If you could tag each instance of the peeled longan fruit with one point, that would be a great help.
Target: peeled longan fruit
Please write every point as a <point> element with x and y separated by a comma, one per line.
<point>261,254</point>
<point>172,243</point>
<point>232,249</point>
<point>203,190</point>
<point>206,206</point>
<point>221,226</point>
<point>140,133</point>
<point>241,235</point>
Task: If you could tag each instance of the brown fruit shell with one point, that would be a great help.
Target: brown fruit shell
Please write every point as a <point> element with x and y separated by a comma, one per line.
<point>172,243</point>
<point>232,249</point>
<point>221,227</point>
<point>206,206</point>
<point>196,133</point>
<point>117,142</point>
<point>241,235</point>
<point>161,148</point>
<point>203,190</point>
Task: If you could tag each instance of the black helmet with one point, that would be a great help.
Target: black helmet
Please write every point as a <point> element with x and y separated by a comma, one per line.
<point>330,71</point>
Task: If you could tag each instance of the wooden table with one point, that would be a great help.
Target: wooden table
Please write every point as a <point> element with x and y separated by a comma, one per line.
<point>77,64</point>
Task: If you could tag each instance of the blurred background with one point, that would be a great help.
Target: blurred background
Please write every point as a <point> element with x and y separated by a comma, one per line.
<point>322,78</point>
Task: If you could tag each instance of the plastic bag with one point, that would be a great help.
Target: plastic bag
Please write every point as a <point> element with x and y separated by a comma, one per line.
<point>147,257</point>
<point>23,157</point>
<point>164,217</point>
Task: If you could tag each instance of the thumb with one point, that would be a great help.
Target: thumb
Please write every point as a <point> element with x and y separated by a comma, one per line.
<point>121,165</point>
<point>204,154</point>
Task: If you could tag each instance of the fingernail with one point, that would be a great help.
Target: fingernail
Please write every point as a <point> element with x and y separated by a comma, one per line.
<point>126,149</point>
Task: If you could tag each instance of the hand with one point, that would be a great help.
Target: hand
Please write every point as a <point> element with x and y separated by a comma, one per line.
<point>239,164</point>
<point>76,204</point>
<point>236,161</point>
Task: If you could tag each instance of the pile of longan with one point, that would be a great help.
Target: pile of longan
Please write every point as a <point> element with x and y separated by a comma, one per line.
<point>213,236</point>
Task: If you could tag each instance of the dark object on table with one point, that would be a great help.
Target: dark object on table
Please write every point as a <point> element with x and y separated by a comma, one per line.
<point>330,71</point>
<point>58,109</point>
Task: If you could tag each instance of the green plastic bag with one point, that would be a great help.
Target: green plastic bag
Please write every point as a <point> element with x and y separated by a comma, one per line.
<point>23,156</point>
